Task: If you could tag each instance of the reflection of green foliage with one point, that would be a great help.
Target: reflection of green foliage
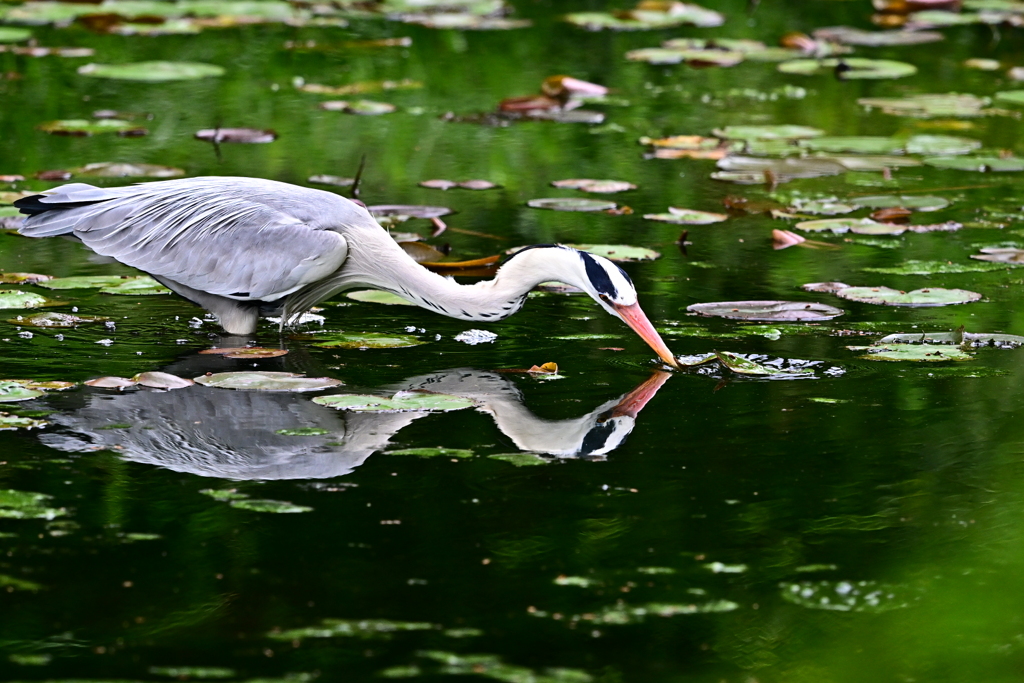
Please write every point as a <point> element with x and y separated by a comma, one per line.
<point>188,618</point>
<point>876,522</point>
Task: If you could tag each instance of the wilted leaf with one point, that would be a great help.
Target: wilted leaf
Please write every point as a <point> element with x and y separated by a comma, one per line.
<point>665,15</point>
<point>239,135</point>
<point>152,72</point>
<point>22,278</point>
<point>825,287</point>
<point>161,380</point>
<point>366,340</point>
<point>571,204</point>
<point>767,310</point>
<point>855,36</point>
<point>686,217</point>
<point>933,296</point>
<point>438,184</point>
<point>267,381</point>
<point>54,319</point>
<point>403,401</point>
<point>109,382</point>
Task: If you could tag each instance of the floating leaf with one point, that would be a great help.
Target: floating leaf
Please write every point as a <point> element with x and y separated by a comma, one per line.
<point>365,340</point>
<point>408,210</point>
<point>849,68</point>
<point>1010,96</point>
<point>403,401</point>
<point>981,164</point>
<point>934,296</point>
<point>936,267</point>
<point>858,144</point>
<point>245,352</point>
<point>359,628</point>
<point>767,310</point>
<point>136,286</point>
<point>113,169</point>
<point>13,298</point>
<point>434,452</point>
<point>915,202</point>
<point>53,319</point>
<point>860,226</point>
<point>378,296</point>
<point>274,506</point>
<point>236,135</point>
<point>110,382</point>
<point>595,186</point>
<point>186,672</point>
<point>224,494</point>
<point>161,380</point>
<point>687,217</point>
<point>571,204</point>
<point>438,184</point>
<point>14,35</point>
<point>913,352</point>
<point>754,170</point>
<point>1007,255</point>
<point>84,282</point>
<point>22,278</point>
<point>741,365</point>
<point>14,391</point>
<point>941,145</point>
<point>662,15</point>
<point>929,105</point>
<point>520,459</point>
<point>152,72</point>
<point>618,252</point>
<point>85,127</point>
<point>267,381</point>
<point>16,504</point>
<point>960,338</point>
<point>783,132</point>
<point>855,36</point>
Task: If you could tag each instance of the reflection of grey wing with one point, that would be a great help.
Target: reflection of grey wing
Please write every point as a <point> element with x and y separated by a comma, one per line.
<point>242,238</point>
<point>594,434</point>
<point>227,434</point>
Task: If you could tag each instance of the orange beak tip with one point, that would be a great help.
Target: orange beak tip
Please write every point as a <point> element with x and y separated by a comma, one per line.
<point>638,321</point>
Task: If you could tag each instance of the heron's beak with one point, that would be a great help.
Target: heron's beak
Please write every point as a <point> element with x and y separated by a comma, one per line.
<point>637,319</point>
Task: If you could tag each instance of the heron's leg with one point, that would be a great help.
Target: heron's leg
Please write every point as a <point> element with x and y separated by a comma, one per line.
<point>236,317</point>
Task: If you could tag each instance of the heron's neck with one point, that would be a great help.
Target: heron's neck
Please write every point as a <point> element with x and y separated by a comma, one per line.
<point>393,270</point>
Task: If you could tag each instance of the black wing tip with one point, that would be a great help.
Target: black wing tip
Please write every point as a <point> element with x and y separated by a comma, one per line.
<point>33,205</point>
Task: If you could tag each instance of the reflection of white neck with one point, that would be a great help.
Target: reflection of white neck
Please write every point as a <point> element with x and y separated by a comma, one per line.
<point>375,260</point>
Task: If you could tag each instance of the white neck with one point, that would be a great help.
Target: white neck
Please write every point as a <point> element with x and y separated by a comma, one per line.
<point>375,260</point>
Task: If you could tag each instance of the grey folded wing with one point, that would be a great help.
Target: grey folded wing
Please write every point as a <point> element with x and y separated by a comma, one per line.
<point>226,240</point>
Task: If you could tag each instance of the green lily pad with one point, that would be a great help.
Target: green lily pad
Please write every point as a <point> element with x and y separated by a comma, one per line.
<point>933,296</point>
<point>767,310</point>
<point>403,401</point>
<point>520,459</point>
<point>782,132</point>
<point>595,186</point>
<point>152,72</point>
<point>8,421</point>
<point>366,340</point>
<point>687,217</point>
<point>303,431</point>
<point>53,319</point>
<point>267,381</point>
<point>661,55</point>
<point>913,352</point>
<point>13,298</point>
<point>857,144</point>
<point>741,365</point>
<point>113,169</point>
<point>223,494</point>
<point>84,282</point>
<point>952,104</point>
<point>14,35</point>
<point>1006,255</point>
<point>829,206</point>
<point>860,226</point>
<point>571,204</point>
<point>854,36</point>
<point>358,628</point>
<point>86,127</point>
<point>435,452</point>
<point>937,267</point>
<point>980,164</point>
<point>618,252</point>
<point>853,68</point>
<point>756,170</point>
<point>378,296</point>
<point>136,286</point>
<point>15,391</point>
<point>1010,96</point>
<point>941,145</point>
<point>886,201</point>
<point>274,506</point>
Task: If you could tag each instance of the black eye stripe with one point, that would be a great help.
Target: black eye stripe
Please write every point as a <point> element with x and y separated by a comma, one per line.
<point>598,276</point>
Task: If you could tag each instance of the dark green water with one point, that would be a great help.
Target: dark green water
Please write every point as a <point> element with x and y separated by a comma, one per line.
<point>912,482</point>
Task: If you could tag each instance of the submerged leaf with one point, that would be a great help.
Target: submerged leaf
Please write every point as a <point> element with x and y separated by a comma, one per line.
<point>434,452</point>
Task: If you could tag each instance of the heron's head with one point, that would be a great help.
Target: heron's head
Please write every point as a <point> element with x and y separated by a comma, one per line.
<point>614,291</point>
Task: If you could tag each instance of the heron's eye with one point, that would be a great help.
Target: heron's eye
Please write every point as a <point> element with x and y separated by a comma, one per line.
<point>605,297</point>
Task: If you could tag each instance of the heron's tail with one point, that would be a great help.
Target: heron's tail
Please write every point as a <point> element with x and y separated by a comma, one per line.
<point>58,211</point>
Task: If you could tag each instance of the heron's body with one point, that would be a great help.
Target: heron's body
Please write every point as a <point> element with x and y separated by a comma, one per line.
<point>242,247</point>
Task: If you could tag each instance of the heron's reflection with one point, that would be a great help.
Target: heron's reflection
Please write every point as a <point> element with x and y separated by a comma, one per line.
<point>245,434</point>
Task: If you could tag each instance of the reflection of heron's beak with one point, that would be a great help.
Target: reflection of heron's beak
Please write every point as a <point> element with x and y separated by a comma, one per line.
<point>632,403</point>
<point>637,319</point>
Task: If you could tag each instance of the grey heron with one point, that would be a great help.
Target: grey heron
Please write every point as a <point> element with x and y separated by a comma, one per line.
<point>245,247</point>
